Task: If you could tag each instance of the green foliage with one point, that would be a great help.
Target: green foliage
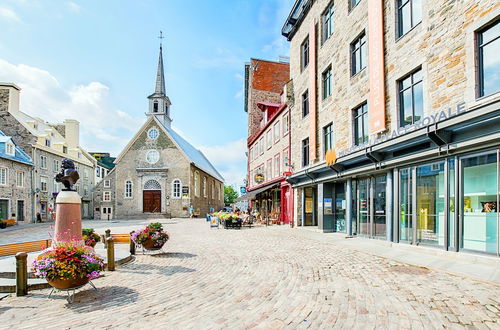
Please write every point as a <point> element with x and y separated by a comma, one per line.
<point>155,226</point>
<point>229,195</point>
<point>87,231</point>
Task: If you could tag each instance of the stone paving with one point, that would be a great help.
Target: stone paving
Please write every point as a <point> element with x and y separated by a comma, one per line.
<point>262,278</point>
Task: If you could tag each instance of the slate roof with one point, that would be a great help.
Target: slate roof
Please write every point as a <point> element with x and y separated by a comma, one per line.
<point>194,155</point>
<point>20,156</point>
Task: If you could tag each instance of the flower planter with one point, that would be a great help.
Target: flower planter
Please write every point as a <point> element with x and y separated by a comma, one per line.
<point>92,245</point>
<point>69,283</point>
<point>150,245</point>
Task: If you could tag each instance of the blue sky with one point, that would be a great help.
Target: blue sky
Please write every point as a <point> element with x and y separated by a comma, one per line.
<point>95,61</point>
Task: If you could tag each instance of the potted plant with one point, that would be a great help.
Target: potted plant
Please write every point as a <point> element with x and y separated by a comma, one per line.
<point>90,237</point>
<point>152,237</point>
<point>67,266</point>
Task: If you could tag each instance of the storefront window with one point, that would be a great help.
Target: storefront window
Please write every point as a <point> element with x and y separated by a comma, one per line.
<point>405,207</point>
<point>430,204</point>
<point>363,207</point>
<point>451,211</point>
<point>309,213</point>
<point>340,207</point>
<point>480,203</point>
<point>379,204</point>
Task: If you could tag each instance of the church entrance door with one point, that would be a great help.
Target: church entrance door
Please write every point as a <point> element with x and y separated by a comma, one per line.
<point>151,202</point>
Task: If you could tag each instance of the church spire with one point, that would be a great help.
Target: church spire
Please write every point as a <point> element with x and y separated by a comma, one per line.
<point>160,79</point>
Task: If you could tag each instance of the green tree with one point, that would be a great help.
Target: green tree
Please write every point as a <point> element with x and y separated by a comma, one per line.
<point>229,195</point>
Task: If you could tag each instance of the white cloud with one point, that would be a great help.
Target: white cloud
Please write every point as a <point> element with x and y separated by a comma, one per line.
<point>229,159</point>
<point>102,127</point>
<point>9,14</point>
<point>224,58</point>
<point>73,7</point>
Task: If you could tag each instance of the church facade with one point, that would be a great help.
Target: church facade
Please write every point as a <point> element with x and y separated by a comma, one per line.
<point>158,173</point>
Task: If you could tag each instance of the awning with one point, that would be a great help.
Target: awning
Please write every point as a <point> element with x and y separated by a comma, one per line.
<point>251,194</point>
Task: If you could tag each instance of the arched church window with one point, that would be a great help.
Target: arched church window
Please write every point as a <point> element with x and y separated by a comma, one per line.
<point>205,186</point>
<point>153,133</point>
<point>155,106</point>
<point>152,185</point>
<point>128,189</point>
<point>152,156</point>
<point>176,188</point>
<point>196,184</point>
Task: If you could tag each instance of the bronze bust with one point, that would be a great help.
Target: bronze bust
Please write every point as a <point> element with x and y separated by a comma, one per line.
<point>68,176</point>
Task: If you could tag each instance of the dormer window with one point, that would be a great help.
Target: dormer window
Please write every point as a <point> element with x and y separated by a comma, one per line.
<point>10,149</point>
<point>155,106</point>
<point>47,142</point>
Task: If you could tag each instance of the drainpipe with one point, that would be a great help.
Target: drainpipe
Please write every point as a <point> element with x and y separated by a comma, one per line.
<point>33,199</point>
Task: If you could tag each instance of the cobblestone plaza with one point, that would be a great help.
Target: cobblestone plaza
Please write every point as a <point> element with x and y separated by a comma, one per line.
<point>258,277</point>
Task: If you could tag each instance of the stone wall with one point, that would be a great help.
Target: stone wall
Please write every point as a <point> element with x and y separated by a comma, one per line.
<point>98,193</point>
<point>203,203</point>
<point>12,193</point>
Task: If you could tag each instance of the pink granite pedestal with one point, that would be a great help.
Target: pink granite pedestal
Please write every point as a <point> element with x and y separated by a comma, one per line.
<point>68,226</point>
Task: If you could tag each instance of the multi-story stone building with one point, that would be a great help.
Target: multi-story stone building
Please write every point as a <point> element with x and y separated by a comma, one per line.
<point>159,173</point>
<point>47,144</point>
<point>396,133</point>
<point>15,181</point>
<point>105,163</point>
<point>268,140</point>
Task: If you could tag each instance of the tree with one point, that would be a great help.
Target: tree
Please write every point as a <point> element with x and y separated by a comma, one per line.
<point>229,195</point>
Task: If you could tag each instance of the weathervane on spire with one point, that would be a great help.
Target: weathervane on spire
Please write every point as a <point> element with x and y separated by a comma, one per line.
<point>161,37</point>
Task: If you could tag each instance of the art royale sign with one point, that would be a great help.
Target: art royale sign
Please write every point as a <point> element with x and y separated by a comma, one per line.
<point>426,121</point>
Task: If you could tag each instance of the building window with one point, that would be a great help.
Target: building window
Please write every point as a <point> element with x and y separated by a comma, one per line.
<point>196,183</point>
<point>176,188</point>
<point>57,186</point>
<point>47,143</point>
<point>286,124</point>
<point>327,82</point>
<point>10,149</point>
<point>3,176</point>
<point>153,133</point>
<point>85,190</point>
<point>304,53</point>
<point>285,160</point>
<point>353,3</point>
<point>269,169</point>
<point>361,124</point>
<point>43,184</point>
<point>489,60</point>
<point>85,174</point>
<point>409,15</point>
<point>128,189</point>
<point>155,106</point>
<point>55,165</point>
<point>277,134</point>
<point>269,138</point>
<point>358,54</point>
<point>328,22</point>
<point>213,190</point>
<point>277,165</point>
<point>107,183</point>
<point>65,149</point>
<point>43,162</point>
<point>411,100</point>
<point>205,186</point>
<point>305,152</point>
<point>20,179</point>
<point>153,156</point>
<point>261,146</point>
<point>106,196</point>
<point>305,103</point>
<point>328,138</point>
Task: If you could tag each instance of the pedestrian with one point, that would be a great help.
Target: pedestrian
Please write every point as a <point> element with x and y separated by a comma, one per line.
<point>191,211</point>
<point>38,217</point>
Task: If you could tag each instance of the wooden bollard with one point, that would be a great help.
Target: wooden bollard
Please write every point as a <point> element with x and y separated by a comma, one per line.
<point>132,245</point>
<point>21,274</point>
<point>110,244</point>
<point>107,234</point>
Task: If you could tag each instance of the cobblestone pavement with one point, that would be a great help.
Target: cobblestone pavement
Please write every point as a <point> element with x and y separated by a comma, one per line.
<point>262,278</point>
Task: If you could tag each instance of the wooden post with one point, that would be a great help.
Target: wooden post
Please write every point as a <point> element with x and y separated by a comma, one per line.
<point>106,236</point>
<point>21,274</point>
<point>111,253</point>
<point>132,245</point>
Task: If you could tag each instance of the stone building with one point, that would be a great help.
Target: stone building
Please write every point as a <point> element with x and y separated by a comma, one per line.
<point>159,173</point>
<point>396,135</point>
<point>15,181</point>
<point>105,163</point>
<point>47,144</point>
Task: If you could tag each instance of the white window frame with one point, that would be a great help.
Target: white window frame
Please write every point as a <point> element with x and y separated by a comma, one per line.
<point>104,194</point>
<point>276,130</point>
<point>5,176</point>
<point>196,183</point>
<point>20,179</point>
<point>43,180</point>
<point>107,183</point>
<point>286,123</point>
<point>10,149</point>
<point>269,138</point>
<point>205,195</point>
<point>127,193</point>
<point>43,162</point>
<point>176,194</point>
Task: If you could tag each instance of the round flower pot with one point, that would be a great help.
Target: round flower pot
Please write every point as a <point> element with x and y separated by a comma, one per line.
<point>150,245</point>
<point>68,283</point>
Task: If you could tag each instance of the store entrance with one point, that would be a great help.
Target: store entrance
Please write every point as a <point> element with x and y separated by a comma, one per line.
<point>371,216</point>
<point>309,207</point>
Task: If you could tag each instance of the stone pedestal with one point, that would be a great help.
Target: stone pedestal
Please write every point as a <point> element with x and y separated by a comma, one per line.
<point>68,227</point>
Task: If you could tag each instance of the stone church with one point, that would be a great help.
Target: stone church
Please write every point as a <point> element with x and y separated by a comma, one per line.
<point>158,173</point>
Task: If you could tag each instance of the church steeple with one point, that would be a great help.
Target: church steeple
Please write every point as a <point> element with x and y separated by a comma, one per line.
<point>159,103</point>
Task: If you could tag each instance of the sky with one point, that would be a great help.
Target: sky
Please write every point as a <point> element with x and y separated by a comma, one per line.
<point>95,61</point>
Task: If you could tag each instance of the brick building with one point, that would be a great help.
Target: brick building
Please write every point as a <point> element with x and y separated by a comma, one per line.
<point>396,135</point>
<point>158,173</point>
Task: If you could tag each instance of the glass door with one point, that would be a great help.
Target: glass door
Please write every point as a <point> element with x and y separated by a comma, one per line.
<point>405,205</point>
<point>309,214</point>
<point>479,203</point>
<point>363,207</point>
<point>340,207</point>
<point>379,205</point>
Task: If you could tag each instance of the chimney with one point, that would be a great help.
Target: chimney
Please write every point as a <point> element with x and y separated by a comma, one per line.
<point>72,130</point>
<point>9,97</point>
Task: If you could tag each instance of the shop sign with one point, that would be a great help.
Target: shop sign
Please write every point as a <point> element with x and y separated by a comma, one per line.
<point>185,189</point>
<point>426,121</point>
<point>331,157</point>
<point>259,177</point>
<point>243,190</point>
<point>328,206</point>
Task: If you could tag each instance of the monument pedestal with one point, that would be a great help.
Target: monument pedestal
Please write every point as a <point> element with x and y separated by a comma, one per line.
<point>68,226</point>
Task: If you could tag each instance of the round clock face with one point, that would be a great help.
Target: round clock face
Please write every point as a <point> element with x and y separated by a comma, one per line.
<point>152,156</point>
<point>153,133</point>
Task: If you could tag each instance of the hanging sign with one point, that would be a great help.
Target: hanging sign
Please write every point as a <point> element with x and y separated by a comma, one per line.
<point>259,177</point>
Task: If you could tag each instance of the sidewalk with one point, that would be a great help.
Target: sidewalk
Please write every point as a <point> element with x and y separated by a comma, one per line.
<point>480,267</point>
